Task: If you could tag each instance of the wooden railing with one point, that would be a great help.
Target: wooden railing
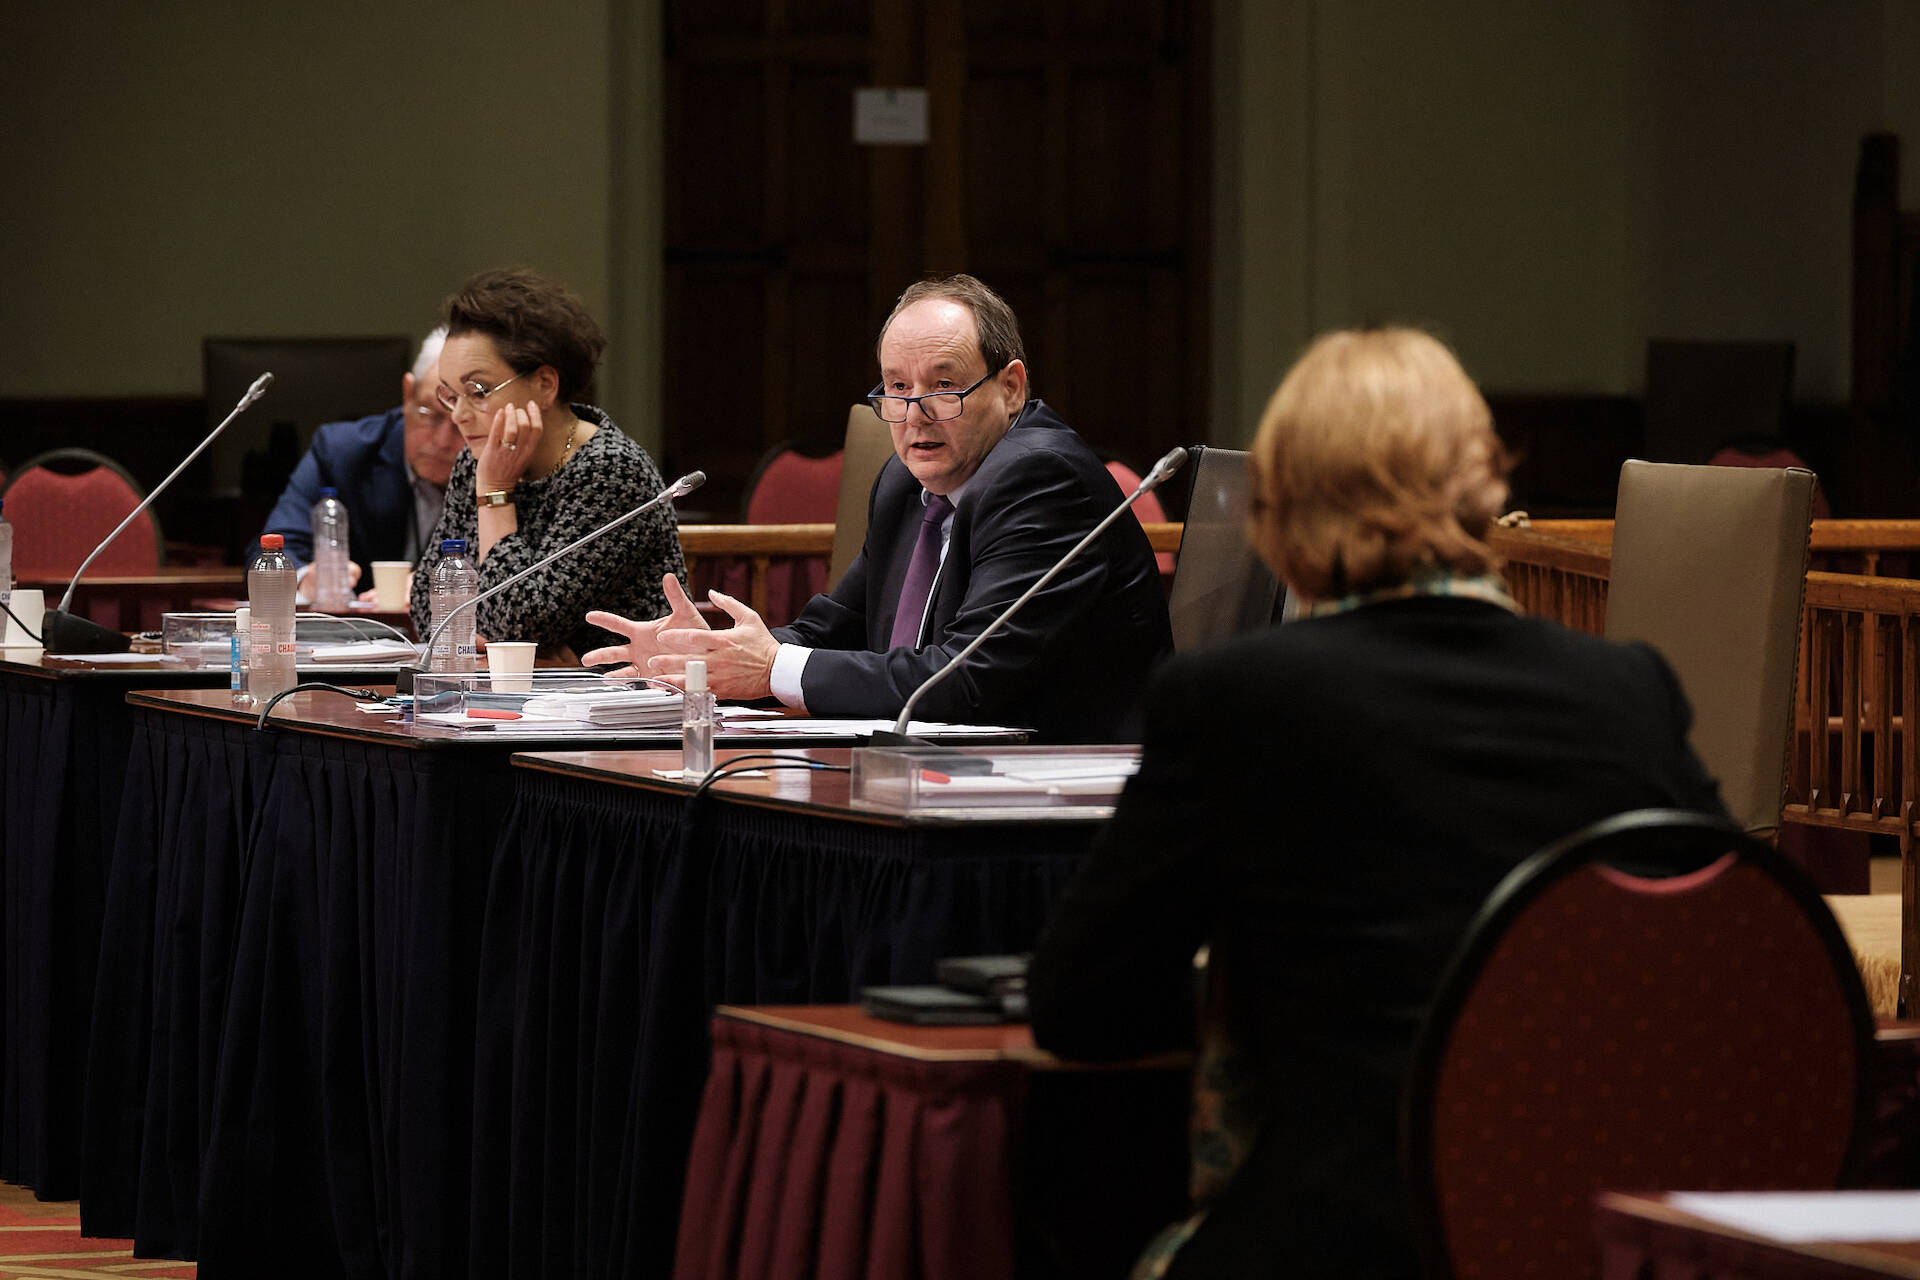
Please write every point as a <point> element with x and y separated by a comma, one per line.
<point>1869,540</point>
<point>759,547</point>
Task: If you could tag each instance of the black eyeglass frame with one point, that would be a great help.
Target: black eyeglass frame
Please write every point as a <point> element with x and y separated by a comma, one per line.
<point>875,396</point>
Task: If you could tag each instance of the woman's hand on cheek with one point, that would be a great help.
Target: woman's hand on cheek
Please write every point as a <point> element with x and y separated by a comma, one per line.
<point>509,448</point>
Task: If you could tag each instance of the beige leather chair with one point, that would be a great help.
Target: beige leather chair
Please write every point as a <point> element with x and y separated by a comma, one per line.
<point>869,445</point>
<point>1710,567</point>
<point>1221,587</point>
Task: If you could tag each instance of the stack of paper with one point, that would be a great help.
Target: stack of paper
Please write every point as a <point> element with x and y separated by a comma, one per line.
<point>614,709</point>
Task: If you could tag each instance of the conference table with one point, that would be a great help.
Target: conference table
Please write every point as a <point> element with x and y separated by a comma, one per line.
<point>391,1000</point>
<point>65,736</point>
<point>622,911</point>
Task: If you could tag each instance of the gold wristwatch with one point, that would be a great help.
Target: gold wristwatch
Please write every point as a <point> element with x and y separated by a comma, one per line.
<point>497,498</point>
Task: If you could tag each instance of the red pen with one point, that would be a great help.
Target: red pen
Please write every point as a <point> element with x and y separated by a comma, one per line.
<point>485,713</point>
<point>929,775</point>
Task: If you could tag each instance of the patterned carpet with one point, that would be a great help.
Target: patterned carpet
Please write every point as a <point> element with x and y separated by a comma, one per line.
<point>43,1240</point>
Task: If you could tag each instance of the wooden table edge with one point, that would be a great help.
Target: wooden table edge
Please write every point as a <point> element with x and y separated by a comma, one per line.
<point>787,1018</point>
<point>1653,1207</point>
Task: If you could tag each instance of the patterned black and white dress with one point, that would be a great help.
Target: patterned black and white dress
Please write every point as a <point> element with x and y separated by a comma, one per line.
<point>619,572</point>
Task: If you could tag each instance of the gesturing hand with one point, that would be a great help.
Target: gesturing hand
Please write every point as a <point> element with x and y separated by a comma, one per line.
<point>739,659</point>
<point>510,445</point>
<point>643,638</point>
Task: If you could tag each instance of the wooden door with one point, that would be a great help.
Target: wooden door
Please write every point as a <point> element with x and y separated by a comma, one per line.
<point>1066,165</point>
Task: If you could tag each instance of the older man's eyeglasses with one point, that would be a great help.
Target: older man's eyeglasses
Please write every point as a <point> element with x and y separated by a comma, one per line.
<point>474,393</point>
<point>939,406</point>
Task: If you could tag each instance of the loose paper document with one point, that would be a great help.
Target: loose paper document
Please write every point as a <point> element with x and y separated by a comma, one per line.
<point>1798,1216</point>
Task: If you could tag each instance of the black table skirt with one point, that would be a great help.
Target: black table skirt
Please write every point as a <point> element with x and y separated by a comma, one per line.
<point>283,1032</point>
<point>63,751</point>
<point>617,918</point>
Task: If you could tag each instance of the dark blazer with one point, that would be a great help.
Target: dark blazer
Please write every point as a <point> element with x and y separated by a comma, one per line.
<point>367,462</point>
<point>1071,665</point>
<point>1329,803</point>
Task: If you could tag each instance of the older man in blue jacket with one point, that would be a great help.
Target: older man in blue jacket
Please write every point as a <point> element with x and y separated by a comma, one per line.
<point>390,469</point>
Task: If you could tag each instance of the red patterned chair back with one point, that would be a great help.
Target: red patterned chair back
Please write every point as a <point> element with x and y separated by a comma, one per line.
<point>1602,1031</point>
<point>61,504</point>
<point>791,488</point>
<point>1148,509</point>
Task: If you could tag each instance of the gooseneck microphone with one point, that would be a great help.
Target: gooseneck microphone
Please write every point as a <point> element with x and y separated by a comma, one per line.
<point>61,631</point>
<point>680,488</point>
<point>1169,463</point>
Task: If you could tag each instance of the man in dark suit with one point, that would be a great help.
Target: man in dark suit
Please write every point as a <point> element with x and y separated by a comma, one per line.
<point>1326,804</point>
<point>988,489</point>
<point>390,469</point>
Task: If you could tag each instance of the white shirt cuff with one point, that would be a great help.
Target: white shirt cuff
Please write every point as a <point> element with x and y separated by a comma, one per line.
<point>788,666</point>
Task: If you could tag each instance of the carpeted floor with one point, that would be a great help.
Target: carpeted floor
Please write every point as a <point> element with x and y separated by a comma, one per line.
<point>43,1240</point>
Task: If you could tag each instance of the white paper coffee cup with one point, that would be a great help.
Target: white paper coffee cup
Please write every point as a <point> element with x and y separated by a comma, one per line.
<point>511,664</point>
<point>391,580</point>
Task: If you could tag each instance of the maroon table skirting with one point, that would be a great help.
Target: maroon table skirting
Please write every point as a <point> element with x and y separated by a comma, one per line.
<point>813,1158</point>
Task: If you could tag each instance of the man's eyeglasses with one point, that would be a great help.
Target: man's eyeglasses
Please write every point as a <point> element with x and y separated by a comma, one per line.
<point>474,393</point>
<point>939,406</point>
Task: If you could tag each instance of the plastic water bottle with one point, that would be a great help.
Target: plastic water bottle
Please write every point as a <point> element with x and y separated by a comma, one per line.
<point>696,724</point>
<point>332,590</point>
<point>455,581</point>
<point>6,561</point>
<point>270,600</point>
<point>242,649</point>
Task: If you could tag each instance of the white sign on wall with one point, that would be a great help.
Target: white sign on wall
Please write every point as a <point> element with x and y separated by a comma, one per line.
<point>890,117</point>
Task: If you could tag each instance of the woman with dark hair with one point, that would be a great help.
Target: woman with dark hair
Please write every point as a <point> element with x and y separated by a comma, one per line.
<point>1327,803</point>
<point>541,468</point>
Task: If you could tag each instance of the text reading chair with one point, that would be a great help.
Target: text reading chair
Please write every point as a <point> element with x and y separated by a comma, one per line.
<point>62,503</point>
<point>1221,587</point>
<point>1601,1031</point>
<point>1710,567</point>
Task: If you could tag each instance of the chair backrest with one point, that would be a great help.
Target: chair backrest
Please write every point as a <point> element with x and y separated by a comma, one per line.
<point>63,502</point>
<point>1148,510</point>
<point>1221,587</point>
<point>788,487</point>
<point>869,445</point>
<point>1702,395</point>
<point>1709,567</point>
<point>1601,1031</point>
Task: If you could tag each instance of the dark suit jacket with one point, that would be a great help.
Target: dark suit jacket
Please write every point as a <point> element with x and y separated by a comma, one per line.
<point>1329,802</point>
<point>1070,665</point>
<point>367,462</point>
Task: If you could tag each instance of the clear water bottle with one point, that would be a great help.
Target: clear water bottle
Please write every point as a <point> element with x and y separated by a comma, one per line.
<point>455,581</point>
<point>270,602</point>
<point>696,724</point>
<point>332,588</point>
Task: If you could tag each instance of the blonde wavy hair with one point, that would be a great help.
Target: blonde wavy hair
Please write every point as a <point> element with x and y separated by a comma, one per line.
<point>1376,458</point>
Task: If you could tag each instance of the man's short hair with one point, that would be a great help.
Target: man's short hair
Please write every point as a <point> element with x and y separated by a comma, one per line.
<point>1376,458</point>
<point>533,321</point>
<point>993,319</point>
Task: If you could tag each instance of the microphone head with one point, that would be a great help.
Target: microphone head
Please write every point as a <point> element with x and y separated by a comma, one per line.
<point>1170,462</point>
<point>687,483</point>
<point>258,389</point>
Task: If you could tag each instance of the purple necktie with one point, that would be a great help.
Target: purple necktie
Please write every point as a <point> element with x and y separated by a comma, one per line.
<point>920,572</point>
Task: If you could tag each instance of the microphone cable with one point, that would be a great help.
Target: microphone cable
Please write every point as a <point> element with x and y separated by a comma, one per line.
<point>358,695</point>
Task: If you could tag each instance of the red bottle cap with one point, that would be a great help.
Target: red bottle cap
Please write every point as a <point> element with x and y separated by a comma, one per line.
<point>272,541</point>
